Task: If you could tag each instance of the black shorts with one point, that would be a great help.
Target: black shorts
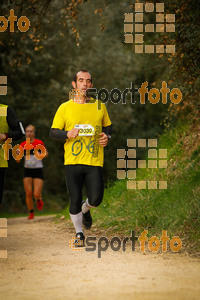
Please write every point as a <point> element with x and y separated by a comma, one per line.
<point>34,173</point>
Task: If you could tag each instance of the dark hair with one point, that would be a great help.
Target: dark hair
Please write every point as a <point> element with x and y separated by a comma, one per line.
<point>84,71</point>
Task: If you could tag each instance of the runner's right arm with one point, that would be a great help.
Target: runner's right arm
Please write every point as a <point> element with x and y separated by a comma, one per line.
<point>58,134</point>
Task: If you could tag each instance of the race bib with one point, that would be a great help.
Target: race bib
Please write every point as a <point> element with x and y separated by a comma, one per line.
<point>85,129</point>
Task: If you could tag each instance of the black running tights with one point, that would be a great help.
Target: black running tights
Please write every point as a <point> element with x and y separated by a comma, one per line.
<point>76,176</point>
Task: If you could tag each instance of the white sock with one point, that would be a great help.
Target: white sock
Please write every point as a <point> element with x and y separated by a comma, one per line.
<point>86,206</point>
<point>77,221</point>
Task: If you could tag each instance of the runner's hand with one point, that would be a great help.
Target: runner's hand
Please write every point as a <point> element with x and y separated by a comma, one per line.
<point>103,141</point>
<point>73,133</point>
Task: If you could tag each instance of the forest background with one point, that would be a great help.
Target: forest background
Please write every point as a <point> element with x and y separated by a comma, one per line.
<point>66,36</point>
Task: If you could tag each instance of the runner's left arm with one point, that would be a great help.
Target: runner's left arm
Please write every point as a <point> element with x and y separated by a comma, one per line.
<point>107,130</point>
<point>105,135</point>
<point>14,127</point>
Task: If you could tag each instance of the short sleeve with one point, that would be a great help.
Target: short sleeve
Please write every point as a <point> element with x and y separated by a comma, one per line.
<point>41,143</point>
<point>58,121</point>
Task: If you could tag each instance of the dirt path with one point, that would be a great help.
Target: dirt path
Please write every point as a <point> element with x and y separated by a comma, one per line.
<point>41,265</point>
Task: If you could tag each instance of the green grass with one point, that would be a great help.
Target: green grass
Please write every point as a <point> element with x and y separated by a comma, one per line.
<point>176,209</point>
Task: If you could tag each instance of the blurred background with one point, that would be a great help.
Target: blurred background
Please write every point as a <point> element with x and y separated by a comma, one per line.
<point>66,36</point>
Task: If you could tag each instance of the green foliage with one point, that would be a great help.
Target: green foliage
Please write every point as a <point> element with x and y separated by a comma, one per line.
<point>175,209</point>
<point>68,35</point>
<point>184,69</point>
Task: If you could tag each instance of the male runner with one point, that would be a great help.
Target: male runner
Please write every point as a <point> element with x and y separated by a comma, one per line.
<point>9,128</point>
<point>80,122</point>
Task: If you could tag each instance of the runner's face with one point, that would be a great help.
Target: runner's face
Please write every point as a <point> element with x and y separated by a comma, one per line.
<point>83,81</point>
<point>30,133</point>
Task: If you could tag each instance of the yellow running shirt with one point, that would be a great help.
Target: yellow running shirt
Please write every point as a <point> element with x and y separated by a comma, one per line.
<point>85,148</point>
